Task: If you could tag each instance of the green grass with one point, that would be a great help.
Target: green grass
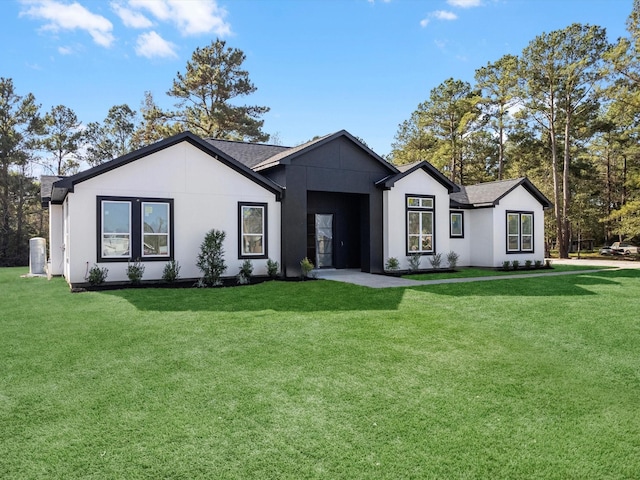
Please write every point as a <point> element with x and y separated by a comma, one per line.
<point>514,378</point>
<point>474,272</point>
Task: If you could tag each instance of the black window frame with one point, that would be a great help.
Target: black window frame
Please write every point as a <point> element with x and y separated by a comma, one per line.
<point>456,212</point>
<point>137,229</point>
<point>409,209</point>
<point>265,233</point>
<point>520,213</point>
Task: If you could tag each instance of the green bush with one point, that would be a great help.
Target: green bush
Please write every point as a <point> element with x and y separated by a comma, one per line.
<point>506,264</point>
<point>516,264</point>
<point>211,258</point>
<point>436,260</point>
<point>171,271</point>
<point>306,266</point>
<point>135,271</point>
<point>272,268</point>
<point>414,262</point>
<point>97,275</point>
<point>452,259</point>
<point>245,273</point>
<point>392,264</point>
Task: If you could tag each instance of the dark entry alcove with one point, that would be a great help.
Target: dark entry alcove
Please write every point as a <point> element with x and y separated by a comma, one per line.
<point>341,214</point>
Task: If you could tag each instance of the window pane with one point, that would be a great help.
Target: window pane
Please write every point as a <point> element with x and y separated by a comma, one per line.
<point>527,224</point>
<point>115,217</point>
<point>427,223</point>
<point>157,245</point>
<point>513,223</point>
<point>252,244</point>
<point>427,242</point>
<point>456,224</point>
<point>414,243</point>
<point>426,202</point>
<point>414,223</point>
<point>115,245</point>
<point>156,217</point>
<point>252,220</point>
<point>513,242</point>
<point>527,242</point>
<point>413,202</point>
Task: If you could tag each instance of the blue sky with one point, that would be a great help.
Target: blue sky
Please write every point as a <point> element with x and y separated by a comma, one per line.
<point>320,65</point>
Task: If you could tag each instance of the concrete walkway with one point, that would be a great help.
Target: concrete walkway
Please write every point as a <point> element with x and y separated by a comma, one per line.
<point>370,280</point>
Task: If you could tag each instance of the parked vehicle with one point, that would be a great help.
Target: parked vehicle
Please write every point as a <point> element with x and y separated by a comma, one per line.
<point>619,248</point>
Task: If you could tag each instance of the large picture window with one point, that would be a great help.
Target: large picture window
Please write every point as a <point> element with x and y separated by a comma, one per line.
<point>252,233</point>
<point>420,224</point>
<point>519,232</point>
<point>116,229</point>
<point>132,228</point>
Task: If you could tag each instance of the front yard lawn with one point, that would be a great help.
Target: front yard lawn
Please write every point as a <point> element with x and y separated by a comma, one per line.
<point>514,378</point>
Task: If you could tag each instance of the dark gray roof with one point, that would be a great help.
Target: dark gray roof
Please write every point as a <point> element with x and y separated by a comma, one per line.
<point>490,193</point>
<point>250,154</point>
<point>46,187</point>
<point>286,156</point>
<point>58,189</point>
<point>407,169</point>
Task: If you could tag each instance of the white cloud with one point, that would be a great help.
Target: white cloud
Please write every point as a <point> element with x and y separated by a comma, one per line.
<point>130,18</point>
<point>152,45</point>
<point>192,17</point>
<point>464,3</point>
<point>62,16</point>
<point>438,14</point>
<point>65,50</point>
<point>444,15</point>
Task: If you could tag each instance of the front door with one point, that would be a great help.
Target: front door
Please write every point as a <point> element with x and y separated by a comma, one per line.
<point>324,240</point>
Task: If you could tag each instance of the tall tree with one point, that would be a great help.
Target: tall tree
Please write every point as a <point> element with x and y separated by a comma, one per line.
<point>20,125</point>
<point>62,139</point>
<point>214,77</point>
<point>155,124</point>
<point>112,138</point>
<point>449,116</point>
<point>560,71</point>
<point>498,83</point>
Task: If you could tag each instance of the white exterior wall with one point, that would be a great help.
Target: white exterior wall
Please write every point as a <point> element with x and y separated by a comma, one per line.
<point>481,237</point>
<point>518,200</point>
<point>395,216</point>
<point>55,262</point>
<point>205,193</point>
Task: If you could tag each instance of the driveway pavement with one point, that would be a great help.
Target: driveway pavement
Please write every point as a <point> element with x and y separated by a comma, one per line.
<point>370,280</point>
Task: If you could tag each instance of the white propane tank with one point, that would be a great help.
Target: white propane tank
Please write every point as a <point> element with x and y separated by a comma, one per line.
<point>37,255</point>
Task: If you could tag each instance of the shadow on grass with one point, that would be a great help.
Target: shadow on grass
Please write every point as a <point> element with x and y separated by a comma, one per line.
<point>560,285</point>
<point>319,296</point>
<point>312,296</point>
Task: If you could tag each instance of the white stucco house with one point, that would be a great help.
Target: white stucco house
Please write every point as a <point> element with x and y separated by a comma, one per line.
<point>332,200</point>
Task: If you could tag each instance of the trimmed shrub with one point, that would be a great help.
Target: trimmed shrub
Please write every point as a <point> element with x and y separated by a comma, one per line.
<point>392,264</point>
<point>436,260</point>
<point>272,268</point>
<point>306,266</point>
<point>245,273</point>
<point>171,271</point>
<point>211,258</point>
<point>452,259</point>
<point>414,262</point>
<point>97,275</point>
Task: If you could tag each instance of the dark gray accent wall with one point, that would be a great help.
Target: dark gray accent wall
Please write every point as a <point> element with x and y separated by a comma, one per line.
<point>337,167</point>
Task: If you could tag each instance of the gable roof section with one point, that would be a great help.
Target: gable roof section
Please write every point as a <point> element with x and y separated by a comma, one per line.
<point>46,188</point>
<point>489,194</point>
<point>286,156</point>
<point>405,170</point>
<point>250,154</point>
<point>61,187</point>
